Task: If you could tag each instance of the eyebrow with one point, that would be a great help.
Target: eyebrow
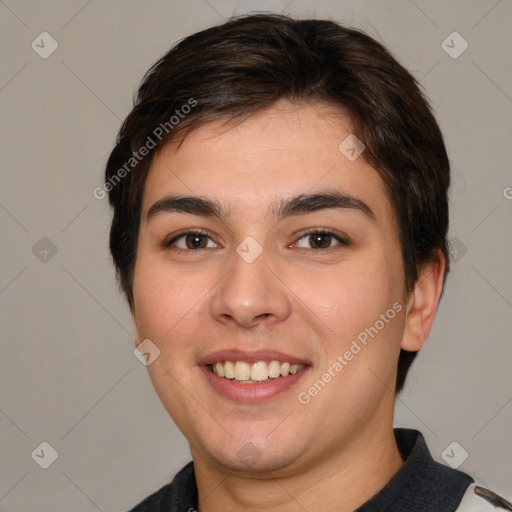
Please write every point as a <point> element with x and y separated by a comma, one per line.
<point>298,205</point>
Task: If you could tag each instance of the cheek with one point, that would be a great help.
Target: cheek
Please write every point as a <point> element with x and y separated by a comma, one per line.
<point>362,317</point>
<point>351,295</point>
<point>159,298</point>
<point>170,302</point>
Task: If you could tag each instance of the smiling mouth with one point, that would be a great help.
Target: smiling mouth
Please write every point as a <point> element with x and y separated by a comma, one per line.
<point>254,373</point>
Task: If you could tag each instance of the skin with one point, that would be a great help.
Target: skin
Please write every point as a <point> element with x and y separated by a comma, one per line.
<point>337,451</point>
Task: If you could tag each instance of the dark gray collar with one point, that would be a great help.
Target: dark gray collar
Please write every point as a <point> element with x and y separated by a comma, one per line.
<point>421,484</point>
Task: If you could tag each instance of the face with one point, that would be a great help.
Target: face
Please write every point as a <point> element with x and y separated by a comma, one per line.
<point>285,252</point>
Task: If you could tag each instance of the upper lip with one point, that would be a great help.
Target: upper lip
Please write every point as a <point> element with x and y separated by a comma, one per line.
<point>250,357</point>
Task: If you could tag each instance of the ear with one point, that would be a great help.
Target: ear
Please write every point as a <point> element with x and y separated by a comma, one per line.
<point>422,304</point>
<point>137,338</point>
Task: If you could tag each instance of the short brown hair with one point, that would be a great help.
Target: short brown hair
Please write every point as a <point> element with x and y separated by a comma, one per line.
<point>247,64</point>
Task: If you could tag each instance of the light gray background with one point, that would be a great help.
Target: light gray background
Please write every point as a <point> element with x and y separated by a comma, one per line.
<point>69,376</point>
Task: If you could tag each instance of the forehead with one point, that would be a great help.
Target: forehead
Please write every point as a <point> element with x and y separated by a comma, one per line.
<point>277,153</point>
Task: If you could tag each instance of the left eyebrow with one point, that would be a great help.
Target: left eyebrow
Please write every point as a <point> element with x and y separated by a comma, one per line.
<point>298,205</point>
<point>323,200</point>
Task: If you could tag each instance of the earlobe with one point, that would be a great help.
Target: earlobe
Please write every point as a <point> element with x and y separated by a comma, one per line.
<point>137,339</point>
<point>422,304</point>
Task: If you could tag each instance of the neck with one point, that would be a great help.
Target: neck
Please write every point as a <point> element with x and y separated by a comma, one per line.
<point>342,482</point>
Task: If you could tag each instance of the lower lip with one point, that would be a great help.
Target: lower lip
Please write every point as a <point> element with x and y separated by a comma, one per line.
<point>252,393</point>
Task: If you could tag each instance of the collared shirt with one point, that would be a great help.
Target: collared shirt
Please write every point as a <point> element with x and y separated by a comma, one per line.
<point>420,485</point>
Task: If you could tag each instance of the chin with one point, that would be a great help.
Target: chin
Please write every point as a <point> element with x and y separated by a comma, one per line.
<point>254,455</point>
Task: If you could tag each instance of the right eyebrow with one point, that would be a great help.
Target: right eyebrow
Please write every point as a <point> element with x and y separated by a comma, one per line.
<point>194,205</point>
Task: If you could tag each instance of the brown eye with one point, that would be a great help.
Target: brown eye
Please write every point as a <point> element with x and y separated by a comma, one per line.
<point>321,240</point>
<point>195,241</point>
<point>191,240</point>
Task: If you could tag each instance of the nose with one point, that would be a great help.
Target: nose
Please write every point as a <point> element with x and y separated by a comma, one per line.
<point>251,293</point>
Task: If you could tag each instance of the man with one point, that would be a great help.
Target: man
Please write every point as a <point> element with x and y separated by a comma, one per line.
<point>280,218</point>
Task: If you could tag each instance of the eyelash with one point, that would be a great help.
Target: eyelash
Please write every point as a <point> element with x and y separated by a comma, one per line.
<point>343,242</point>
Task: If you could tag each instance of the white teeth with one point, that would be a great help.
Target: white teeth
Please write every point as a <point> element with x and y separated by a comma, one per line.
<point>242,370</point>
<point>294,368</point>
<point>219,370</point>
<point>259,371</point>
<point>274,369</point>
<point>229,370</point>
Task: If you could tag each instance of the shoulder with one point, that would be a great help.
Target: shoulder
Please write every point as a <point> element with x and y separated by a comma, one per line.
<point>156,502</point>
<point>478,499</point>
<point>180,494</point>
